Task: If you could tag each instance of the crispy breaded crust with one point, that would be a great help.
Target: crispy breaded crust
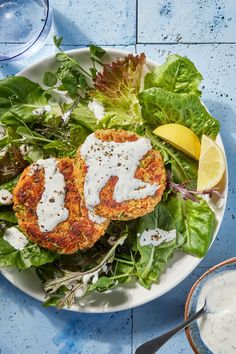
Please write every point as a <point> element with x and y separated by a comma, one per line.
<point>151,170</point>
<point>78,232</point>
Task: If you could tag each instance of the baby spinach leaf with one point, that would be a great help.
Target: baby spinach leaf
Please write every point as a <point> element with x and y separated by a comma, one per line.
<point>154,258</point>
<point>196,221</point>
<point>29,256</point>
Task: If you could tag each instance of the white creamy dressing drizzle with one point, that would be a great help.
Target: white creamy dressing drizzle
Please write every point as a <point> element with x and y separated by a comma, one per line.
<point>156,237</point>
<point>218,327</point>
<point>50,209</point>
<point>97,108</point>
<point>2,131</point>
<point>24,149</point>
<point>44,109</point>
<point>16,238</point>
<point>105,159</point>
<point>6,198</point>
<point>65,116</point>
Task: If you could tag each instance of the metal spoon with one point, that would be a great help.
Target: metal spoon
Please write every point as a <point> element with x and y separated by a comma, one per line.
<point>153,345</point>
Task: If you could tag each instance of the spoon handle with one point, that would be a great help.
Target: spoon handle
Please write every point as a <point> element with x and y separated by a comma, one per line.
<point>153,345</point>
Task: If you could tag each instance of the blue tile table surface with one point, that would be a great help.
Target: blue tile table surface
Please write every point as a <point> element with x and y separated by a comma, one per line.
<point>203,30</point>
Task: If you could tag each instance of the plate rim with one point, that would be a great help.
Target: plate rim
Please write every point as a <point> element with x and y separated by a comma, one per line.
<point>7,273</point>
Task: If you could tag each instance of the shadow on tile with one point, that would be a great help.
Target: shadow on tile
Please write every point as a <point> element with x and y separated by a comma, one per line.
<point>68,30</point>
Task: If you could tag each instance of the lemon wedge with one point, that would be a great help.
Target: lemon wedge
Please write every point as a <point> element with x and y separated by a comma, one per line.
<point>181,137</point>
<point>211,164</point>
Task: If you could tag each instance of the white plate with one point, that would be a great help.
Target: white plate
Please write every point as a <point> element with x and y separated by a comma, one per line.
<point>132,294</point>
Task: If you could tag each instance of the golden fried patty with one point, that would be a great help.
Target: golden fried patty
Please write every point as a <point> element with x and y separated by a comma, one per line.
<point>151,170</point>
<point>77,232</point>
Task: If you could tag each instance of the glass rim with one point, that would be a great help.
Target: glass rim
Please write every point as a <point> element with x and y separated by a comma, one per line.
<point>49,8</point>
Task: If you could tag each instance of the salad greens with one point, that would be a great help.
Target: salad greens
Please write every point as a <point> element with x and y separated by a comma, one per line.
<point>177,74</point>
<point>183,167</point>
<point>154,258</point>
<point>30,256</point>
<point>54,120</point>
<point>162,107</point>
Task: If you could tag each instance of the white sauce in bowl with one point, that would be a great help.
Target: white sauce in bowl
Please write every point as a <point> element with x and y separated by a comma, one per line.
<point>50,209</point>
<point>105,159</point>
<point>218,327</point>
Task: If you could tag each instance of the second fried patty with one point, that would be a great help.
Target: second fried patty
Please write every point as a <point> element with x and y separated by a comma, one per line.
<point>150,170</point>
<point>77,232</point>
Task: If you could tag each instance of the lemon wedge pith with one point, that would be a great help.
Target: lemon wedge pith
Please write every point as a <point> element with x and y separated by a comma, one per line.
<point>181,137</point>
<point>211,164</point>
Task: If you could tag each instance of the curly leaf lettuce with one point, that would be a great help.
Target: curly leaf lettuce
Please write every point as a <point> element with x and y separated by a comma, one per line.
<point>154,258</point>
<point>196,221</point>
<point>177,74</point>
<point>118,85</point>
<point>162,107</point>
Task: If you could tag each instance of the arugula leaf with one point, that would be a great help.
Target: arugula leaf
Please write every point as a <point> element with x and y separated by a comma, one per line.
<point>177,74</point>
<point>31,255</point>
<point>154,258</point>
<point>196,221</point>
<point>162,107</point>
<point>183,167</point>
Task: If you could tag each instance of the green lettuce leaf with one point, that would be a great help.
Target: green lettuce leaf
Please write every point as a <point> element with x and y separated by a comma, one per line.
<point>20,97</point>
<point>30,256</point>
<point>177,74</point>
<point>117,87</point>
<point>196,221</point>
<point>183,168</point>
<point>16,90</point>
<point>83,116</point>
<point>162,107</point>
<point>154,258</point>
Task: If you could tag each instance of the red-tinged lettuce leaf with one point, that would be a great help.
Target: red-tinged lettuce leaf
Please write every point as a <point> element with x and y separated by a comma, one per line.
<point>118,85</point>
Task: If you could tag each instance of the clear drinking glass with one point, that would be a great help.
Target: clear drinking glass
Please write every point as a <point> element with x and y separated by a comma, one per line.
<point>24,27</point>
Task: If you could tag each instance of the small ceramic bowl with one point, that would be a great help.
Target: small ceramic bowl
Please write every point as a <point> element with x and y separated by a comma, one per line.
<point>192,331</point>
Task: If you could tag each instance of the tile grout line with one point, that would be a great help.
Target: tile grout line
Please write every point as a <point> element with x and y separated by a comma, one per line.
<point>185,43</point>
<point>132,331</point>
<point>136,25</point>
